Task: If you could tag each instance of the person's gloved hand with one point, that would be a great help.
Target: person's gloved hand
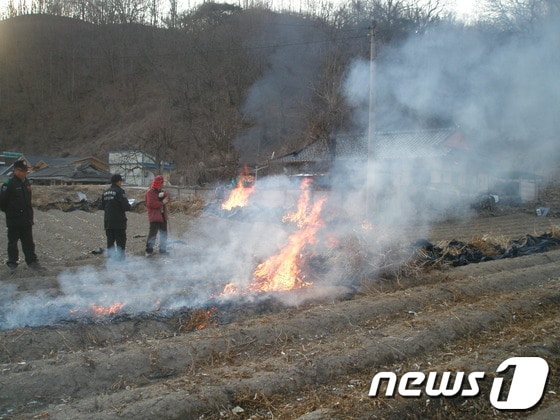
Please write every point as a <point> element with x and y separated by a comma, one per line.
<point>165,200</point>
<point>161,194</point>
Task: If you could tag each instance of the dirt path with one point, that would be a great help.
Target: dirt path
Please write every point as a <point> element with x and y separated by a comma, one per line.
<point>263,359</point>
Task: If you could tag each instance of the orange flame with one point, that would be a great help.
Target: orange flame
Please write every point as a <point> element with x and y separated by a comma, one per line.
<point>299,216</point>
<point>107,310</point>
<point>100,310</point>
<point>200,319</point>
<point>239,196</point>
<point>282,271</point>
<point>230,289</point>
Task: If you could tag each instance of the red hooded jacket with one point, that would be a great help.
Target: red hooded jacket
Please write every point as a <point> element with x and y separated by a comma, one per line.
<point>157,210</point>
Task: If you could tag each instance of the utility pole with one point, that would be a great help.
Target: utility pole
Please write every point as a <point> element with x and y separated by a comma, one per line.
<point>371,123</point>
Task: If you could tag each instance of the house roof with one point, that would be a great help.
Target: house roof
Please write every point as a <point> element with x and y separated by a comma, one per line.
<point>69,169</point>
<point>418,144</point>
<point>317,150</point>
<point>48,160</point>
<point>6,161</point>
<point>387,145</point>
<point>62,161</point>
<point>5,170</point>
<point>86,172</point>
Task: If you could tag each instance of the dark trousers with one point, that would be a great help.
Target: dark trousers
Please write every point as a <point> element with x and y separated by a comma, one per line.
<point>117,236</point>
<point>25,235</point>
<point>155,228</point>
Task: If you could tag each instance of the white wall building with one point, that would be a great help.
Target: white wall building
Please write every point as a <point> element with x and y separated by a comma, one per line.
<point>137,167</point>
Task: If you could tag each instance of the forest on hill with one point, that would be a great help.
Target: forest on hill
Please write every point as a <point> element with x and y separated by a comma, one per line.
<point>221,85</point>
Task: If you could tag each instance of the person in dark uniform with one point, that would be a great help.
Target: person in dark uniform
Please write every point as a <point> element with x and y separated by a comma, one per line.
<point>115,204</point>
<point>15,201</point>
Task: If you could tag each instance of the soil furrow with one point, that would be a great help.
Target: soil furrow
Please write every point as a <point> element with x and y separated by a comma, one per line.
<point>30,343</point>
<point>360,350</point>
<point>264,359</point>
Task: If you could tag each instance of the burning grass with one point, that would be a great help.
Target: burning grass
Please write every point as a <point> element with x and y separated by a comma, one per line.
<point>283,271</point>
<point>286,360</point>
<point>318,359</point>
<point>239,195</point>
<point>198,319</point>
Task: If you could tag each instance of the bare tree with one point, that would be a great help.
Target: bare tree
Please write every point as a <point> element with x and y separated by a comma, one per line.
<point>130,11</point>
<point>154,9</point>
<point>11,10</point>
<point>159,143</point>
<point>172,16</point>
<point>520,15</point>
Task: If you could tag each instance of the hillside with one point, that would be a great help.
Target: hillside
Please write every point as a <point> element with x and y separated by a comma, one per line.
<point>232,86</point>
<point>79,89</point>
<point>58,86</point>
<point>73,88</point>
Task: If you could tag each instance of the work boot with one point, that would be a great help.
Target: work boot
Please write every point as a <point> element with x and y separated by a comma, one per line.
<point>12,266</point>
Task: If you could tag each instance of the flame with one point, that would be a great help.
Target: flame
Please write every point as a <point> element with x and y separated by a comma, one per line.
<point>107,310</point>
<point>299,216</point>
<point>239,196</point>
<point>100,310</point>
<point>283,271</point>
<point>230,289</point>
<point>200,319</point>
<point>367,225</point>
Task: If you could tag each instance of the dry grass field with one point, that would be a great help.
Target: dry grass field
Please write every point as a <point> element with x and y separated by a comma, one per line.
<point>309,353</point>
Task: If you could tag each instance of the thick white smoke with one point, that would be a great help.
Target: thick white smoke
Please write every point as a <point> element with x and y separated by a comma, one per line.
<point>217,250</point>
<point>503,95</point>
<point>501,92</point>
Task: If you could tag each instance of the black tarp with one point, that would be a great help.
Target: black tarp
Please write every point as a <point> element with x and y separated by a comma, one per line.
<point>457,253</point>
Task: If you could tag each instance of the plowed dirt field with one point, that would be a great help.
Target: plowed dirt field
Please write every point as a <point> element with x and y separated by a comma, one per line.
<point>264,358</point>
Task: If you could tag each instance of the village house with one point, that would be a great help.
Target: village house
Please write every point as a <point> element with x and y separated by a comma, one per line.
<point>68,170</point>
<point>440,160</point>
<point>46,170</point>
<point>6,161</point>
<point>138,167</point>
<point>399,150</point>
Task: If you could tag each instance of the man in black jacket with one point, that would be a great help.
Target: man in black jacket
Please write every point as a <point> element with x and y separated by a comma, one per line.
<point>15,201</point>
<point>115,204</point>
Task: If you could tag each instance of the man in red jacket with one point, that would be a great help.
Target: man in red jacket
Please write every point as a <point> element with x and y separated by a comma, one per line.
<point>156,203</point>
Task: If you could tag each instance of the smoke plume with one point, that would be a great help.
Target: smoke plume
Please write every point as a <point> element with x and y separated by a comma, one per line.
<point>501,93</point>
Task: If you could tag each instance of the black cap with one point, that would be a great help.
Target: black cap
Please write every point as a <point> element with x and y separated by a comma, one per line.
<point>20,164</point>
<point>116,178</point>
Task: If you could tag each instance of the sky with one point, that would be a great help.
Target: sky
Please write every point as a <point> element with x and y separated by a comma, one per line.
<point>465,9</point>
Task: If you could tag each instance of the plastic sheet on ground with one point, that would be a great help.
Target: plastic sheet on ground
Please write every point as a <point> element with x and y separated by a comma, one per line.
<point>457,253</point>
